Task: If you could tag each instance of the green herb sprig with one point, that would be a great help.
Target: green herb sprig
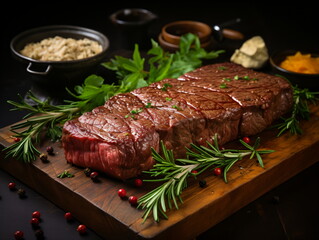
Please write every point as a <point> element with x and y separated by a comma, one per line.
<point>43,117</point>
<point>65,174</point>
<point>175,172</point>
<point>300,110</point>
<point>132,72</point>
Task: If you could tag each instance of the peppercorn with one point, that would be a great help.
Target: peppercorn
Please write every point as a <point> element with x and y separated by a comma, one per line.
<point>132,200</point>
<point>217,171</point>
<point>246,139</point>
<point>36,214</point>
<point>138,182</point>
<point>35,222</point>
<point>21,192</point>
<point>39,234</point>
<point>50,150</point>
<point>202,183</point>
<point>122,193</point>
<point>68,216</point>
<point>44,158</point>
<point>87,172</point>
<point>275,200</point>
<point>94,176</point>
<point>18,235</point>
<point>12,186</point>
<point>81,229</point>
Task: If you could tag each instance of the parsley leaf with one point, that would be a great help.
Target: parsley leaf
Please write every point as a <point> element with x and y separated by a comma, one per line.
<point>132,73</point>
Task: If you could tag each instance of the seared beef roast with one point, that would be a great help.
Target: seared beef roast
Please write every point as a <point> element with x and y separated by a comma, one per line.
<point>224,99</point>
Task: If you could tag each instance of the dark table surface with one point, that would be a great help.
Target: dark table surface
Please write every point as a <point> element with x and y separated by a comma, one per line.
<point>289,211</point>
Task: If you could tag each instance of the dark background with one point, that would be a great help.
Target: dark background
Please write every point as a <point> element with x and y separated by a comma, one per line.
<point>289,211</point>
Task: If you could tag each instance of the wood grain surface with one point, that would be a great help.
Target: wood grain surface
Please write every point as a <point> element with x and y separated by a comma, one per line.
<point>97,204</point>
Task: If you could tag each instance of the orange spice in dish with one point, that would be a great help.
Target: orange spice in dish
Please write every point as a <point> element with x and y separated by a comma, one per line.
<point>301,63</point>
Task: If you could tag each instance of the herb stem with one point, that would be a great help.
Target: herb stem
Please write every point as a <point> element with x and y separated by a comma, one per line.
<point>42,117</point>
<point>300,110</point>
<point>175,172</point>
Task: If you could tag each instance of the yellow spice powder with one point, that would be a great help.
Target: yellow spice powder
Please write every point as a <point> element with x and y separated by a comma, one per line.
<point>301,63</point>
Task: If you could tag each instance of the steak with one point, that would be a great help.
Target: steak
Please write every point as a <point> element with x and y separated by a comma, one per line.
<point>224,99</point>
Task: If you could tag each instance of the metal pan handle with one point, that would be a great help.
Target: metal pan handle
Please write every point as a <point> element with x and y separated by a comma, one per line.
<point>45,72</point>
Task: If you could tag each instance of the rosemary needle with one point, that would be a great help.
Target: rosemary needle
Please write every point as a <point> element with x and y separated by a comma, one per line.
<point>175,172</point>
<point>300,110</point>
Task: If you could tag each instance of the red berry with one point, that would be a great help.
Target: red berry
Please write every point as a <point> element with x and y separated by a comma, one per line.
<point>68,216</point>
<point>138,182</point>
<point>121,192</point>
<point>18,235</point>
<point>132,200</point>
<point>36,214</point>
<point>35,221</point>
<point>12,186</point>
<point>246,139</point>
<point>94,175</point>
<point>217,171</point>
<point>81,229</point>
<point>16,139</point>
<point>194,171</point>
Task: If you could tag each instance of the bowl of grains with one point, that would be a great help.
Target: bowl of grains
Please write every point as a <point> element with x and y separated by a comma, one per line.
<point>60,54</point>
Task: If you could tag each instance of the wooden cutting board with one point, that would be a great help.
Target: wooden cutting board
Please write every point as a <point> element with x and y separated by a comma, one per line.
<point>97,204</point>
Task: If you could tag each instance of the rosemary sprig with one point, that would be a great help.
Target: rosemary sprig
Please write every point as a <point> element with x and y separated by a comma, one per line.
<point>175,172</point>
<point>49,117</point>
<point>44,117</point>
<point>300,110</point>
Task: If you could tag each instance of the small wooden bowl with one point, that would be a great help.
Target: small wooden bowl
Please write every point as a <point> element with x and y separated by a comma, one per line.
<point>171,34</point>
<point>173,31</point>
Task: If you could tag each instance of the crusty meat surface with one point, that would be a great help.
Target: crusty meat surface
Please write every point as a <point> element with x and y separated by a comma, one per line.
<point>224,99</point>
